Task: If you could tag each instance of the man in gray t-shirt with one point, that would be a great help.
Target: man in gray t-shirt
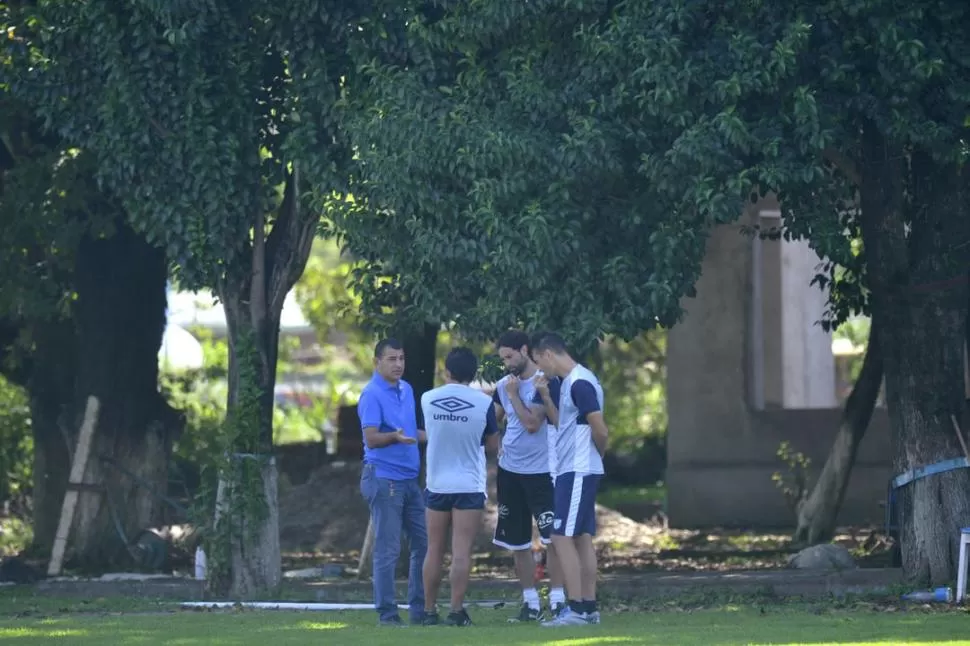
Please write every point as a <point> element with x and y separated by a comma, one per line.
<point>524,484</point>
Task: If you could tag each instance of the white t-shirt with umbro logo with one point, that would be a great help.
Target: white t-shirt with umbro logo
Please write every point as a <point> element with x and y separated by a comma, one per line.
<point>457,418</point>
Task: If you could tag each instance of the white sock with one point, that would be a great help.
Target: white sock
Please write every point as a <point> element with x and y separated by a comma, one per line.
<point>557,595</point>
<point>531,597</point>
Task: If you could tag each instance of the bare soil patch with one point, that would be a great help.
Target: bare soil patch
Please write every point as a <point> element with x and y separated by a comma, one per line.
<point>325,519</point>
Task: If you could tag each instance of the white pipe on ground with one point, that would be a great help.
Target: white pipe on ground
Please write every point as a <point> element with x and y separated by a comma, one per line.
<point>291,605</point>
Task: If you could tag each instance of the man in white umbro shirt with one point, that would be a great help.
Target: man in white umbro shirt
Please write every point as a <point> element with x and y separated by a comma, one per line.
<point>460,423</point>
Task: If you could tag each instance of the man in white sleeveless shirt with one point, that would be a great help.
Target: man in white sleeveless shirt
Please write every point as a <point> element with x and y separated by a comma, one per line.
<point>581,439</point>
<point>460,423</point>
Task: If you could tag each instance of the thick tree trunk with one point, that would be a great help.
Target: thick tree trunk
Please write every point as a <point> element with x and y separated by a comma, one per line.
<point>924,382</point>
<point>248,502</point>
<point>420,352</point>
<point>247,539</point>
<point>51,391</point>
<point>818,512</point>
<point>120,318</point>
<point>916,231</point>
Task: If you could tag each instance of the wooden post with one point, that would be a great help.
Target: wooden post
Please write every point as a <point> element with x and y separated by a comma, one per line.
<point>366,551</point>
<point>78,466</point>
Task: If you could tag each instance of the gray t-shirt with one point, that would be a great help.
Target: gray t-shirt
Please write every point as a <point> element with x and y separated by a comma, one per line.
<point>457,419</point>
<point>522,451</point>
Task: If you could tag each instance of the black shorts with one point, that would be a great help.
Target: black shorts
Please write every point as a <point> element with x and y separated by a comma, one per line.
<point>449,501</point>
<point>522,497</point>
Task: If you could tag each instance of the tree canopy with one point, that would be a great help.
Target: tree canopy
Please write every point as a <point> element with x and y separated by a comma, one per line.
<point>561,163</point>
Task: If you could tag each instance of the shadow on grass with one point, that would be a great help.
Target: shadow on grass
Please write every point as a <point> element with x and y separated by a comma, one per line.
<point>710,627</point>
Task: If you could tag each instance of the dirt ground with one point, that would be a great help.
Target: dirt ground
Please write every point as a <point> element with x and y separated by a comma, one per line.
<point>325,518</point>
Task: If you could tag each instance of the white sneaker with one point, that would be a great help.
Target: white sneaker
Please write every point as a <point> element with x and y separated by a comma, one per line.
<point>568,617</point>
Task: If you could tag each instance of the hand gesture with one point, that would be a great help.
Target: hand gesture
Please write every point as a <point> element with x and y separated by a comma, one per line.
<point>512,385</point>
<point>542,385</point>
<point>401,438</point>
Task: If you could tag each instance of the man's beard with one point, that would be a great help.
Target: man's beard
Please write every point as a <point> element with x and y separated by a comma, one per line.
<point>517,370</point>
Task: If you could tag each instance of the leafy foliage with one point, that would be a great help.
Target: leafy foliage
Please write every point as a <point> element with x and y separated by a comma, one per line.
<point>194,116</point>
<point>633,373</point>
<point>559,164</point>
<point>331,304</point>
<point>793,485</point>
<point>16,449</point>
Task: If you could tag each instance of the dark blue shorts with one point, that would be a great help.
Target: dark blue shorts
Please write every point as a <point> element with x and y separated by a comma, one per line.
<point>575,504</point>
<point>449,501</point>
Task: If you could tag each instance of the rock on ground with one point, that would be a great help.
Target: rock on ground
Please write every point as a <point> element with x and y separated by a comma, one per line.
<point>823,557</point>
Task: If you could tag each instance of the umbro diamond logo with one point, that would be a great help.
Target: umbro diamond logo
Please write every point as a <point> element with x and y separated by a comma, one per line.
<point>451,404</point>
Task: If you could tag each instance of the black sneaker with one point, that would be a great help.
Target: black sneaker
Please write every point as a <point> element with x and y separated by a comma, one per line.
<point>430,619</point>
<point>459,618</point>
<point>393,622</point>
<point>556,609</point>
<point>527,614</point>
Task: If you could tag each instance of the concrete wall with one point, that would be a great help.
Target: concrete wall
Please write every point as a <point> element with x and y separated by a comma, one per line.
<point>724,432</point>
<point>726,481</point>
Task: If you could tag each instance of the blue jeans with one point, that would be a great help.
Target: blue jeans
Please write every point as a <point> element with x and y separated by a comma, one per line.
<point>396,505</point>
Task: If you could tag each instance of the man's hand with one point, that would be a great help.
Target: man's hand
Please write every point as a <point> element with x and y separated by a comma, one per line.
<point>512,385</point>
<point>542,385</point>
<point>401,438</point>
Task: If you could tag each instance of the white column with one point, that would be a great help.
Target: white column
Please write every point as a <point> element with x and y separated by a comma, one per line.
<point>809,365</point>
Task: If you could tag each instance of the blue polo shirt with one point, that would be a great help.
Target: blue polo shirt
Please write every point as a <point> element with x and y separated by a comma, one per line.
<point>390,407</point>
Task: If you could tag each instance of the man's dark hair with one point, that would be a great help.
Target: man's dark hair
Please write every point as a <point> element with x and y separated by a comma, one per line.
<point>543,341</point>
<point>384,344</point>
<point>514,339</point>
<point>462,364</point>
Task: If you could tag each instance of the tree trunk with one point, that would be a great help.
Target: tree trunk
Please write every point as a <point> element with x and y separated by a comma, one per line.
<point>51,391</point>
<point>421,358</point>
<point>248,503</point>
<point>247,540</point>
<point>120,318</point>
<point>421,355</point>
<point>818,512</point>
<point>916,231</point>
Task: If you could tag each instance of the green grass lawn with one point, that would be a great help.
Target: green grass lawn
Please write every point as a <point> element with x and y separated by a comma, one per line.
<point>617,496</point>
<point>706,627</point>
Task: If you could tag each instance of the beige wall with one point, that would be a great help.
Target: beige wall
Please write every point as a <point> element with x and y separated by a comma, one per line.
<point>727,419</point>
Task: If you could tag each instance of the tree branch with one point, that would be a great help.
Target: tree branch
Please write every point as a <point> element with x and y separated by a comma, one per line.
<point>844,164</point>
<point>257,284</point>
<point>289,243</point>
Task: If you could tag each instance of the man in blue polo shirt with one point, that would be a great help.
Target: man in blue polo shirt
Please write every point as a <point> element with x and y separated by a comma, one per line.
<point>389,480</point>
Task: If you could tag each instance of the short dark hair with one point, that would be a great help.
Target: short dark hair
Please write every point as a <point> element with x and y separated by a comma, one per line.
<point>514,339</point>
<point>462,364</point>
<point>543,341</point>
<point>384,344</point>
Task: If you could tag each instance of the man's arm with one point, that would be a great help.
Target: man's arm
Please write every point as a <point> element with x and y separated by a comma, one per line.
<point>369,411</point>
<point>422,436</point>
<point>584,396</point>
<point>497,407</point>
<point>601,434</point>
<point>531,422</point>
<point>545,403</point>
<point>490,437</point>
<point>377,439</point>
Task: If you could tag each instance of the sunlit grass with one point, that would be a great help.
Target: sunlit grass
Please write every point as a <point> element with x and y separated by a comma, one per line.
<point>736,625</point>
